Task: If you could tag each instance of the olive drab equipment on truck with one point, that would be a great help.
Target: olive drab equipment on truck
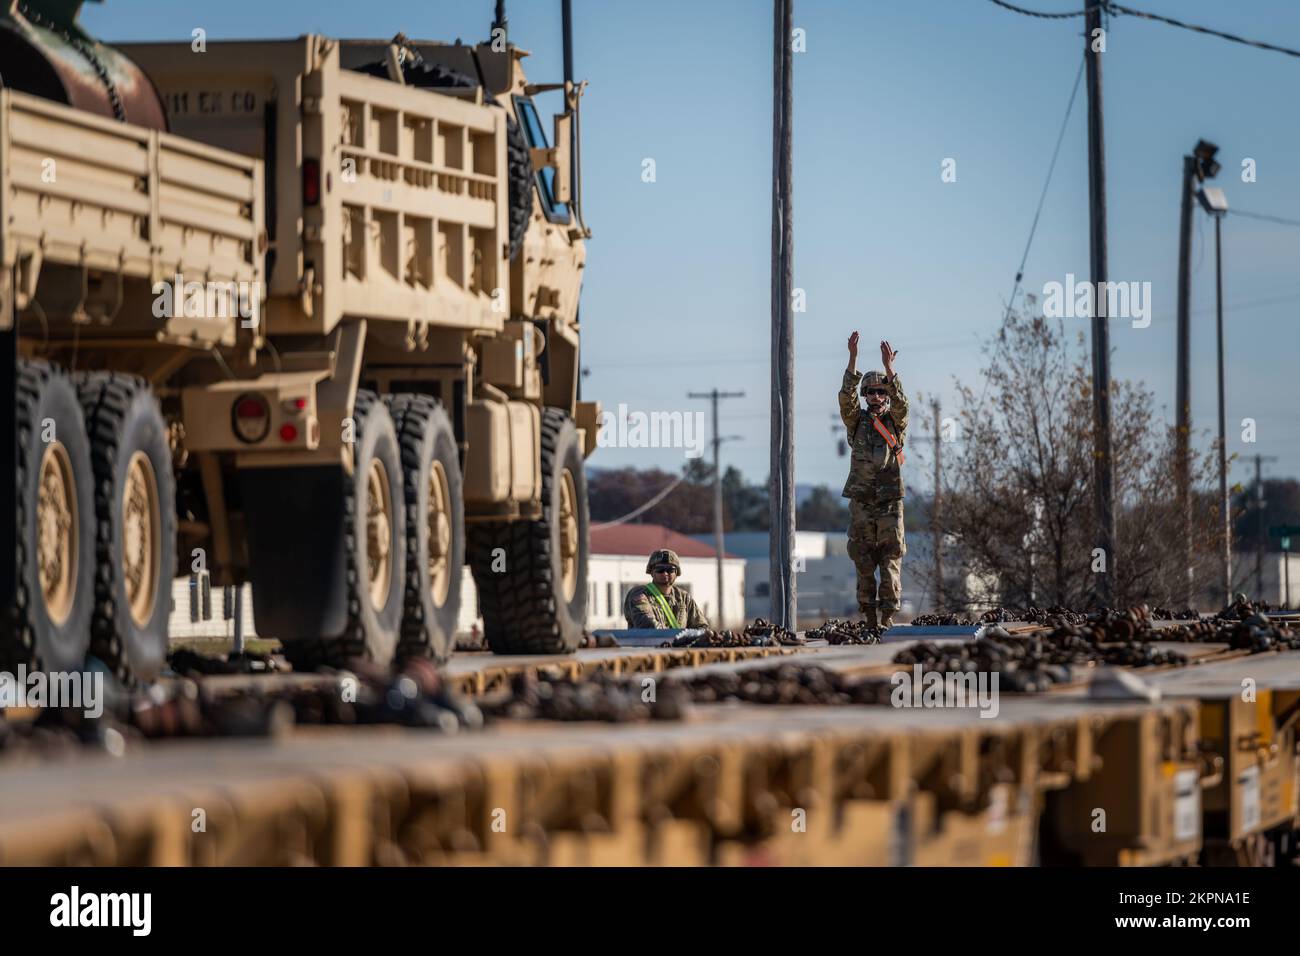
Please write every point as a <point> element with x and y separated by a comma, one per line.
<point>322,336</point>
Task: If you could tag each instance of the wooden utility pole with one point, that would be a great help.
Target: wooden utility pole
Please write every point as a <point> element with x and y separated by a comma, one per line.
<point>1103,464</point>
<point>718,542</point>
<point>936,524</point>
<point>781,498</point>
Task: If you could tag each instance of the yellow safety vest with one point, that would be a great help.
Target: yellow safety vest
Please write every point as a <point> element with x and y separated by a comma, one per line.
<point>663,603</point>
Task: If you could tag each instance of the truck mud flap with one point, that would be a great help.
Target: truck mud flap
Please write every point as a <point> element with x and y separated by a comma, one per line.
<point>295,547</point>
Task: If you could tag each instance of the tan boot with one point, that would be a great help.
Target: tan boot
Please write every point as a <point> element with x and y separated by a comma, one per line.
<point>887,619</point>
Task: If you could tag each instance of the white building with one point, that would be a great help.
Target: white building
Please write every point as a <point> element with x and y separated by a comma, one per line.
<point>1276,567</point>
<point>193,617</point>
<point>826,579</point>
<point>617,564</point>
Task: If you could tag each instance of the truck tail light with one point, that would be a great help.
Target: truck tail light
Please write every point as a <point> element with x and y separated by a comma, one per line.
<point>310,182</point>
<point>251,417</point>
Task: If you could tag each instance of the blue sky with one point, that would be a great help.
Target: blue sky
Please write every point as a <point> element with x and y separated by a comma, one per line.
<point>677,294</point>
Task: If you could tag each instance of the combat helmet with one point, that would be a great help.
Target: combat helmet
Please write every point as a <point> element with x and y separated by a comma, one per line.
<point>663,556</point>
<point>874,377</point>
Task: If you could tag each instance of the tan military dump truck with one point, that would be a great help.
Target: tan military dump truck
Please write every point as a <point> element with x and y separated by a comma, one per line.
<point>322,336</point>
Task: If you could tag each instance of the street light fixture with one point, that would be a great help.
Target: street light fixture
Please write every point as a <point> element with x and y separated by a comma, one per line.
<point>1214,202</point>
<point>1207,168</point>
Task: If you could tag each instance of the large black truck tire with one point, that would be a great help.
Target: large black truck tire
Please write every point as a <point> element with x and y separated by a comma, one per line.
<point>135,514</point>
<point>532,575</point>
<point>435,526</point>
<point>49,625</point>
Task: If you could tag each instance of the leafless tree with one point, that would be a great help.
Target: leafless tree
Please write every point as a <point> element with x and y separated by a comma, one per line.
<point>1017,511</point>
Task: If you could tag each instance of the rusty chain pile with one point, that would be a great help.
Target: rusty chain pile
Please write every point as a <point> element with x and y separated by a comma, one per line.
<point>1033,663</point>
<point>1243,626</point>
<point>414,696</point>
<point>759,634</point>
<point>1001,615</point>
<point>1032,615</point>
<point>1159,613</point>
<point>836,631</point>
<point>598,696</point>
<point>788,685</point>
<point>941,620</point>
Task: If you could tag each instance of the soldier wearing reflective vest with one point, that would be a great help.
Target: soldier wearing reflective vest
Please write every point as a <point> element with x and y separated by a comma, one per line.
<point>659,604</point>
<point>877,431</point>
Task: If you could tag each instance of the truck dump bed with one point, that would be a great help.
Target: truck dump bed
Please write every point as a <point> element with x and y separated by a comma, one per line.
<point>81,191</point>
<point>390,202</point>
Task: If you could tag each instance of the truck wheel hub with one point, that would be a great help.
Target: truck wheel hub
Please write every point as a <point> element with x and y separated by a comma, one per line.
<point>141,537</point>
<point>56,530</point>
<point>379,524</point>
<point>568,536</point>
<point>439,530</point>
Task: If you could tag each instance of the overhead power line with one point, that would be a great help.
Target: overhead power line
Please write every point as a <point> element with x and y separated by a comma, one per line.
<point>1258,44</point>
<point>643,508</point>
<point>1060,138</point>
<point>1038,13</point>
<point>1116,8</point>
<point>1264,216</point>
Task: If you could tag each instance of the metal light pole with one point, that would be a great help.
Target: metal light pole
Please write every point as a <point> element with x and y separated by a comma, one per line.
<point>1216,204</point>
<point>1197,167</point>
<point>1262,538</point>
<point>718,542</point>
<point>1286,570</point>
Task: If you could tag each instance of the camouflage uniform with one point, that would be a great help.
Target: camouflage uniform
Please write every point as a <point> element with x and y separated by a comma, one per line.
<point>875,492</point>
<point>642,610</point>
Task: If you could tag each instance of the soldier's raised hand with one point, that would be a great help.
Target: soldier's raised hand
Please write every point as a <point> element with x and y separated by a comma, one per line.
<point>853,345</point>
<point>887,356</point>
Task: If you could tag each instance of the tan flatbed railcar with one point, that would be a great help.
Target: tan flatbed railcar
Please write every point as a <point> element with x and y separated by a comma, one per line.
<point>735,785</point>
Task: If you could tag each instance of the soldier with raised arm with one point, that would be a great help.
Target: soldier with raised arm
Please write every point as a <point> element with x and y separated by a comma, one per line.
<point>877,431</point>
